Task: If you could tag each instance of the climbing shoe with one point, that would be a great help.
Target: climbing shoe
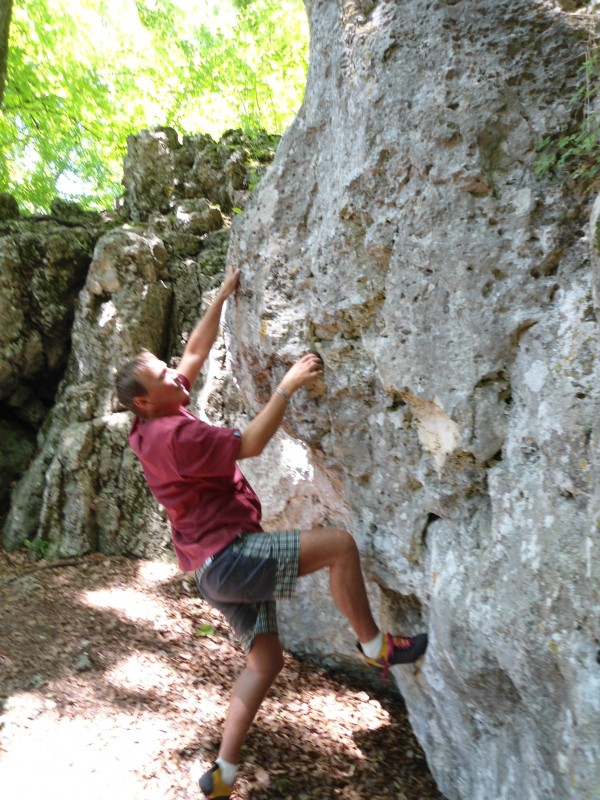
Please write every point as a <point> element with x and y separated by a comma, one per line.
<point>213,785</point>
<point>398,650</point>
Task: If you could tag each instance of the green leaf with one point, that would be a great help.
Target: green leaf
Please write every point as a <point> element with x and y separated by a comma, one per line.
<point>205,630</point>
<point>84,74</point>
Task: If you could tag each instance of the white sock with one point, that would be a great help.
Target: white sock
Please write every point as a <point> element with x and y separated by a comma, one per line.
<point>228,770</point>
<point>371,649</point>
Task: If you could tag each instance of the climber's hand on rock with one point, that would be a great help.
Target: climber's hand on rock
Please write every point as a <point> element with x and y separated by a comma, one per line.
<point>230,283</point>
<point>306,369</point>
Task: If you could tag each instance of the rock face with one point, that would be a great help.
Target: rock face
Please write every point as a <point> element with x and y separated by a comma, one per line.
<point>84,488</point>
<point>74,312</point>
<point>402,233</point>
<point>43,265</point>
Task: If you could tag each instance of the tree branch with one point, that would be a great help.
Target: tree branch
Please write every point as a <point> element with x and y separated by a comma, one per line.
<point>5,15</point>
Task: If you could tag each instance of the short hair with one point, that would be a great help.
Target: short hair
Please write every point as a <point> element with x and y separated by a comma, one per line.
<point>128,382</point>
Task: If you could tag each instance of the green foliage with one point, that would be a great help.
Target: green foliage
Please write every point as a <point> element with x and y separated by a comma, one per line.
<point>205,630</point>
<point>37,548</point>
<point>84,74</point>
<point>576,152</point>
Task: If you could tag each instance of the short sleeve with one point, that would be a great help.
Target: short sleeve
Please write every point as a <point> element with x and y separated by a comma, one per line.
<point>202,450</point>
<point>183,378</point>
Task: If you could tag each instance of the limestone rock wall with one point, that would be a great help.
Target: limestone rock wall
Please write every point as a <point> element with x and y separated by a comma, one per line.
<point>79,296</point>
<point>403,234</point>
<point>43,264</point>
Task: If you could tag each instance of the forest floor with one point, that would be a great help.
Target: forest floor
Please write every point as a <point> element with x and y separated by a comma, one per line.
<point>114,679</point>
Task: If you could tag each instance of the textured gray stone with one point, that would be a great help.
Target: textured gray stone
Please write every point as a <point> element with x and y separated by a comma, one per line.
<point>145,287</point>
<point>403,234</point>
<point>453,294</point>
<point>149,172</point>
<point>84,491</point>
<point>171,176</point>
<point>42,269</point>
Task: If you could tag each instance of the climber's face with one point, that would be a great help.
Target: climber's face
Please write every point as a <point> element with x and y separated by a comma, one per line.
<point>165,392</point>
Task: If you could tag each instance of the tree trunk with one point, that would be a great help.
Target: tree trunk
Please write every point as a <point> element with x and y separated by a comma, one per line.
<point>5,14</point>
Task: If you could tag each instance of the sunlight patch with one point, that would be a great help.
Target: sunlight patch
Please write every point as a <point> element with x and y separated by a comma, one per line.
<point>157,571</point>
<point>212,707</point>
<point>356,711</point>
<point>131,604</point>
<point>368,714</point>
<point>141,672</point>
<point>95,758</point>
<point>294,456</point>
<point>107,313</point>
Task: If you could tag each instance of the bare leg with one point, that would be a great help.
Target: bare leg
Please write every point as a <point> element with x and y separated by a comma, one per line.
<point>320,548</point>
<point>265,662</point>
<point>336,549</point>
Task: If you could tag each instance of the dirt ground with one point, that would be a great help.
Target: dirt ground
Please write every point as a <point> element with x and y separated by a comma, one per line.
<point>114,678</point>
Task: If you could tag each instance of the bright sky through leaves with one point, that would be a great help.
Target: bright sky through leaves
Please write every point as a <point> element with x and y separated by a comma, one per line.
<point>84,74</point>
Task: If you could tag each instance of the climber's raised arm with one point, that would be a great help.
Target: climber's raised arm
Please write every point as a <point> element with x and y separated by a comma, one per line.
<point>206,331</point>
<point>258,433</point>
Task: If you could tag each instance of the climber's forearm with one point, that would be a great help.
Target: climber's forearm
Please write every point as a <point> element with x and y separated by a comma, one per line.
<point>263,427</point>
<point>206,331</point>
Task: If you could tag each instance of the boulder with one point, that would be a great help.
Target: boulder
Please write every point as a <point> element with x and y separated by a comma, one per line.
<point>405,234</point>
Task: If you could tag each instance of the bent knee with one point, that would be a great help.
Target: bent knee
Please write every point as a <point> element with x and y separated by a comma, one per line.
<point>278,665</point>
<point>347,543</point>
<point>269,669</point>
<point>340,544</point>
<point>325,547</point>
<point>266,657</point>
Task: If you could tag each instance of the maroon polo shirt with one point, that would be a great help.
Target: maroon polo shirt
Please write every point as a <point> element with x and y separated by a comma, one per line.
<point>192,471</point>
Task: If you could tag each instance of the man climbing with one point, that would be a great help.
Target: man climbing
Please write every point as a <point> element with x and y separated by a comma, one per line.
<point>191,468</point>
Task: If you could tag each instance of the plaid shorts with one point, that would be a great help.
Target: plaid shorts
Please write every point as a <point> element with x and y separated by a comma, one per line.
<point>244,580</point>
